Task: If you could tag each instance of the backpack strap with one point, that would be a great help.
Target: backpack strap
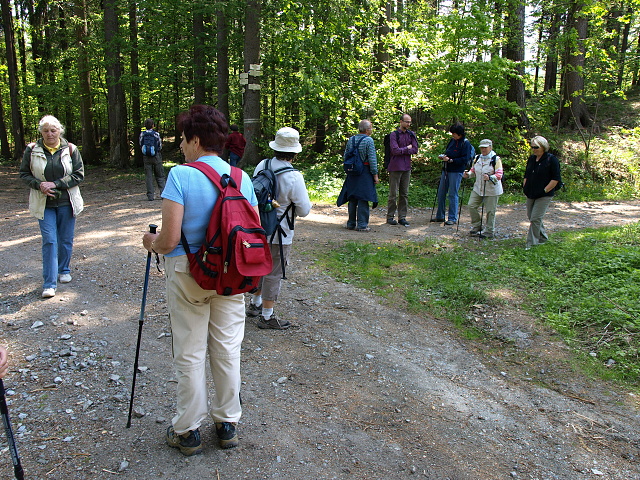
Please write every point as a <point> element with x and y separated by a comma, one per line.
<point>219,181</point>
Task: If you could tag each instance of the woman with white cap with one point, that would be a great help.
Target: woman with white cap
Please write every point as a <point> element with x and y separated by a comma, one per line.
<point>487,170</point>
<point>291,191</point>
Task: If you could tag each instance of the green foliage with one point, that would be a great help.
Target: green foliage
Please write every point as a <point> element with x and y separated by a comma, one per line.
<point>585,284</point>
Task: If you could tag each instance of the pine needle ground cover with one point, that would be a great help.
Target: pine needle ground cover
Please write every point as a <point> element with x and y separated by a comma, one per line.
<point>585,284</point>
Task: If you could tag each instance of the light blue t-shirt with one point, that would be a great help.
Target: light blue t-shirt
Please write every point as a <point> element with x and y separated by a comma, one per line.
<point>192,189</point>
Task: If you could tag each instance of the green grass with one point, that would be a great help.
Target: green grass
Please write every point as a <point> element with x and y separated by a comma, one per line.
<point>585,284</point>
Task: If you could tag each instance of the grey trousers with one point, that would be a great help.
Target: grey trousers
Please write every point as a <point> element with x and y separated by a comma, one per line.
<point>536,208</point>
<point>153,170</point>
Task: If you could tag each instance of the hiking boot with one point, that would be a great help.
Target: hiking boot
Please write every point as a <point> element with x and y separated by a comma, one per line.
<point>227,436</point>
<point>363,229</point>
<point>273,322</point>
<point>437,220</point>
<point>65,278</point>
<point>473,233</point>
<point>391,221</point>
<point>253,310</point>
<point>189,443</point>
<point>449,222</point>
<point>403,222</point>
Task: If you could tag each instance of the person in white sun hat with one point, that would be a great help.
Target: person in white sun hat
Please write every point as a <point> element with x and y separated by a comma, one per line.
<point>291,191</point>
<point>487,170</point>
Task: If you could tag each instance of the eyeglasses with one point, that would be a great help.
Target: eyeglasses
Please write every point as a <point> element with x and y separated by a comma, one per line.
<point>535,147</point>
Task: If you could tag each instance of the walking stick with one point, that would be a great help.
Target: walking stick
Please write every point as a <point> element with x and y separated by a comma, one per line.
<point>152,229</point>
<point>17,467</point>
<point>460,206</point>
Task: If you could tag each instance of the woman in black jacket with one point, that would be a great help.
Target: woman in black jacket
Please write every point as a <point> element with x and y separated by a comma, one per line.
<point>540,179</point>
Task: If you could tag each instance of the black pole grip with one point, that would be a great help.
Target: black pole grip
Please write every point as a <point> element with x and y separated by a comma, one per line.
<point>152,228</point>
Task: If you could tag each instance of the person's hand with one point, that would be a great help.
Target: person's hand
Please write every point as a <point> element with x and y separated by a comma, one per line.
<point>485,177</point>
<point>4,362</point>
<point>465,174</point>
<point>148,239</point>
<point>376,179</point>
<point>48,188</point>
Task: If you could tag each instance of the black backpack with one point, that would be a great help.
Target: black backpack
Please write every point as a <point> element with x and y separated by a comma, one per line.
<point>149,143</point>
<point>353,164</point>
<point>265,185</point>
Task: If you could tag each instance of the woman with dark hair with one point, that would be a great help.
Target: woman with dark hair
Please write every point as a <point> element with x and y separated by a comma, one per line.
<point>454,160</point>
<point>541,176</point>
<point>201,320</point>
<point>53,169</point>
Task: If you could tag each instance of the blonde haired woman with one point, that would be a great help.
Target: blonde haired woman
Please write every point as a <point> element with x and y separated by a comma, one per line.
<point>52,168</point>
<point>540,178</point>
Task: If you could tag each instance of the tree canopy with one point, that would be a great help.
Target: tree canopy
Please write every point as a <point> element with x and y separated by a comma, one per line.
<point>504,68</point>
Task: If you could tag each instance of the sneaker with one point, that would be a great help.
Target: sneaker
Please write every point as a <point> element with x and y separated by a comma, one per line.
<point>437,220</point>
<point>364,229</point>
<point>485,235</point>
<point>474,232</point>
<point>227,436</point>
<point>188,445</point>
<point>48,292</point>
<point>273,322</point>
<point>449,222</point>
<point>65,278</point>
<point>253,310</point>
<point>403,222</point>
<point>350,227</point>
<point>391,221</point>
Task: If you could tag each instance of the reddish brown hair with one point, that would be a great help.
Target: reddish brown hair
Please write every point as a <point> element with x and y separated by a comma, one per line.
<point>206,123</point>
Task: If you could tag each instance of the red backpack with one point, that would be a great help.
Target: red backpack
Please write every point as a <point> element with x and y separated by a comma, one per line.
<point>236,251</point>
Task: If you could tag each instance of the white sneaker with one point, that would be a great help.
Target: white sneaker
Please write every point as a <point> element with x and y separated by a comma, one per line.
<point>65,278</point>
<point>48,292</point>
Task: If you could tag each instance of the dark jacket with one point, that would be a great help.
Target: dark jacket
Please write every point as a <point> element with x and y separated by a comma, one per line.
<point>402,146</point>
<point>539,174</point>
<point>460,152</point>
<point>361,187</point>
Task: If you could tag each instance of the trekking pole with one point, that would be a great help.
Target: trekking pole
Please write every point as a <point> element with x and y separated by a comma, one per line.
<point>152,229</point>
<point>17,467</point>
<point>460,204</point>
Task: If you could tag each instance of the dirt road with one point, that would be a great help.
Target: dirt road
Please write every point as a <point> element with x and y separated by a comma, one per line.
<point>358,390</point>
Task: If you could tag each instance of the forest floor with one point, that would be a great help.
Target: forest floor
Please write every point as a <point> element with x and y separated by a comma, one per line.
<point>359,389</point>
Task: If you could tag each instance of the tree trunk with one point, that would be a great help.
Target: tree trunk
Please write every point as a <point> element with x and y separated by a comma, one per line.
<point>118,141</point>
<point>5,148</point>
<point>624,44</point>
<point>222,44</point>
<point>514,50</point>
<point>199,57</point>
<point>551,65</point>
<point>17,128</point>
<point>383,56</point>
<point>321,134</point>
<point>252,90</point>
<point>89,152</point>
<point>573,110</point>
<point>136,114</point>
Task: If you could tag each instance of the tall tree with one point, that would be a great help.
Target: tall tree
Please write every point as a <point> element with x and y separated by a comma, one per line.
<point>252,67</point>
<point>514,50</point>
<point>118,141</point>
<point>134,65</point>
<point>573,110</point>
<point>199,55</point>
<point>222,63</point>
<point>89,152</point>
<point>17,128</point>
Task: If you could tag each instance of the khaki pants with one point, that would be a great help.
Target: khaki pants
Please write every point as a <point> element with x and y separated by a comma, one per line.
<point>203,322</point>
<point>490,207</point>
